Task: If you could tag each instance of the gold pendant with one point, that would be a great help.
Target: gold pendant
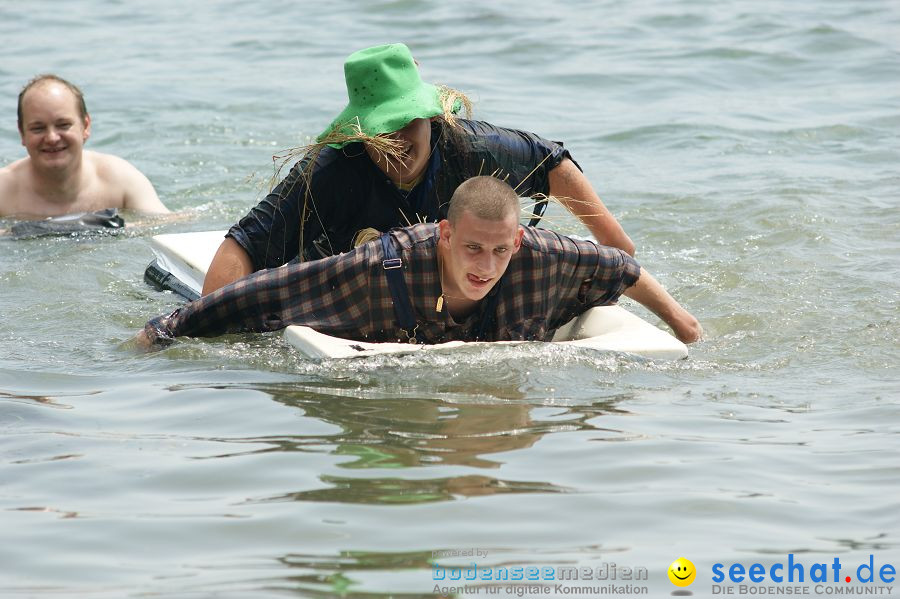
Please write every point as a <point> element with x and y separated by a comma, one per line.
<point>440,304</point>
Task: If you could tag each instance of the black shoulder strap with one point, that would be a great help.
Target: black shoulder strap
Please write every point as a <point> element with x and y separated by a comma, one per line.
<point>537,211</point>
<point>393,270</point>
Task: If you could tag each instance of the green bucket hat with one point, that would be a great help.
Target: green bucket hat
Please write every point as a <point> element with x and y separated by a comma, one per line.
<point>385,93</point>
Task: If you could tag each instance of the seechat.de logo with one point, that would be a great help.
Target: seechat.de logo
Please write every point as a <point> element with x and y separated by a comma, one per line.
<point>682,572</point>
<point>796,571</point>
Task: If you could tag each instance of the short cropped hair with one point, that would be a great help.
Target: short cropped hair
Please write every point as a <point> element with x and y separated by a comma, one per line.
<point>485,197</point>
<point>79,97</point>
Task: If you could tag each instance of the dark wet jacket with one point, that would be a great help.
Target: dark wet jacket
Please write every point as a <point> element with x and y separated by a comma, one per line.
<point>347,192</point>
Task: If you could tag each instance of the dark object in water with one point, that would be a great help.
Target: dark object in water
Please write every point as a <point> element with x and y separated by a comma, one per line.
<point>105,221</point>
<point>162,280</point>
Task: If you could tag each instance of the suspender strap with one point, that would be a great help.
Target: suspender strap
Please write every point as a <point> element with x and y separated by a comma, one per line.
<point>393,270</point>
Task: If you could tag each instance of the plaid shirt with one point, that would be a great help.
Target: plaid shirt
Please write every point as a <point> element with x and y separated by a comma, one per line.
<point>550,280</point>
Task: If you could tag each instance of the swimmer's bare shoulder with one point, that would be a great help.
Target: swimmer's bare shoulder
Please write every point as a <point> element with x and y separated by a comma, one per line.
<point>130,187</point>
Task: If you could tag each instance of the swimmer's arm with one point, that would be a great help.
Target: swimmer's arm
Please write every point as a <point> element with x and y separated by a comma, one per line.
<point>569,185</point>
<point>649,293</point>
<point>140,195</point>
<point>136,191</point>
<point>230,263</point>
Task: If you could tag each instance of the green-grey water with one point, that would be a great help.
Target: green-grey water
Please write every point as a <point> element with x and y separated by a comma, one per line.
<point>751,150</point>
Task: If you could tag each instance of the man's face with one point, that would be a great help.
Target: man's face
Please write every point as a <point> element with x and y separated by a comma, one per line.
<point>53,132</point>
<point>416,149</point>
<point>477,253</point>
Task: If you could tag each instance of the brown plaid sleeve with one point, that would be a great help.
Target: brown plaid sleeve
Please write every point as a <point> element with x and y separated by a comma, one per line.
<point>553,278</point>
<point>331,295</point>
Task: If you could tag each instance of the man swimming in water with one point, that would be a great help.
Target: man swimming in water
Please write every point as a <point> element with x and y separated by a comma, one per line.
<point>476,275</point>
<point>58,176</point>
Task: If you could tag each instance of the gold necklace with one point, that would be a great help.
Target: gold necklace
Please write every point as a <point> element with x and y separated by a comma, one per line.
<point>439,305</point>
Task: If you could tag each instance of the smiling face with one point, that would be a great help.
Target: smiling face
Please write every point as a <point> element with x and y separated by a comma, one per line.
<point>476,252</point>
<point>53,131</point>
<point>682,572</point>
<point>416,149</point>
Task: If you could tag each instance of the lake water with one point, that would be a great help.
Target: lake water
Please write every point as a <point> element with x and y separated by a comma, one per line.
<point>750,149</point>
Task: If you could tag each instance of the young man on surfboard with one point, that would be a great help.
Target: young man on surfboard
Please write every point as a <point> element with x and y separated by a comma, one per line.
<point>393,158</point>
<point>58,176</point>
<point>477,275</point>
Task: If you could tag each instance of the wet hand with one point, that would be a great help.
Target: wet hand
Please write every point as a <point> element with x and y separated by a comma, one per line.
<point>686,328</point>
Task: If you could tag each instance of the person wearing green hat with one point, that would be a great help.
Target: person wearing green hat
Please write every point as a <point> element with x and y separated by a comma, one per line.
<point>393,157</point>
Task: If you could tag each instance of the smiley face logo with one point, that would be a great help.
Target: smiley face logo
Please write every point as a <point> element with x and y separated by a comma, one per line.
<point>682,572</point>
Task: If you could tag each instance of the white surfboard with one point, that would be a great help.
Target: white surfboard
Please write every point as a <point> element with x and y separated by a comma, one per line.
<point>605,328</point>
<point>187,256</point>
